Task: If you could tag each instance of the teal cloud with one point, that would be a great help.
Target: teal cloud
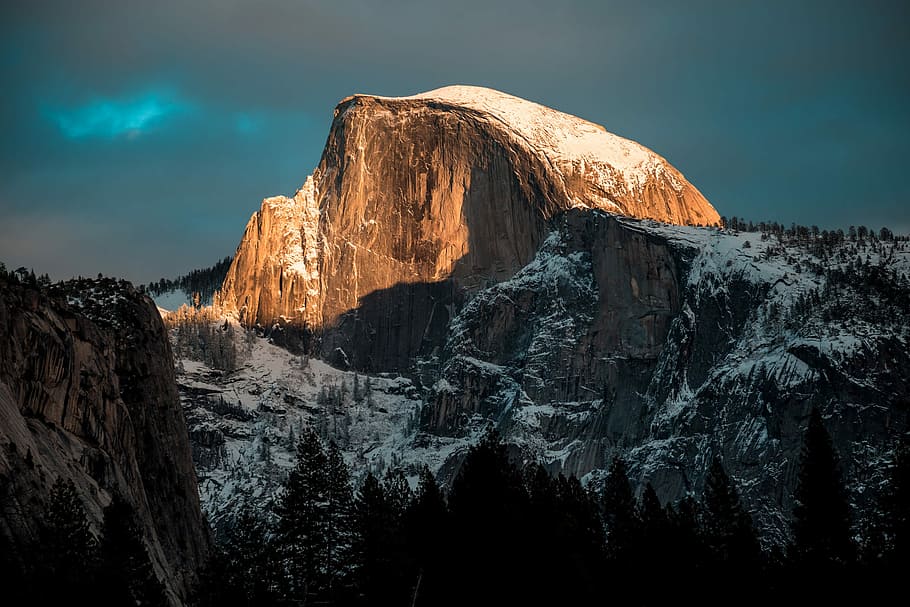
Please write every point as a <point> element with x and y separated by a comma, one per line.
<point>107,118</point>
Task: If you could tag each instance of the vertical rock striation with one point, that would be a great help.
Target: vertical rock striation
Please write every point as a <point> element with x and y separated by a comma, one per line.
<point>87,393</point>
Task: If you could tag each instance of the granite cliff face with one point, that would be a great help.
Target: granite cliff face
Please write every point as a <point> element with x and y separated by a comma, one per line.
<point>595,306</point>
<point>87,393</point>
<point>418,202</point>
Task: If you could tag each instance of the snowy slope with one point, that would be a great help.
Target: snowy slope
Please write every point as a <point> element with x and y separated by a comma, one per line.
<point>763,330</point>
<point>243,424</point>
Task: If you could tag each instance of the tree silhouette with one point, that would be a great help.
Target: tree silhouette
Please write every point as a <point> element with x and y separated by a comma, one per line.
<point>427,529</point>
<point>620,517</point>
<point>727,527</point>
<point>337,520</point>
<point>544,518</point>
<point>127,572</point>
<point>302,512</point>
<point>686,553</point>
<point>728,534</point>
<point>244,573</point>
<point>821,517</point>
<point>488,506</point>
<point>69,548</point>
<point>580,541</point>
<point>375,533</point>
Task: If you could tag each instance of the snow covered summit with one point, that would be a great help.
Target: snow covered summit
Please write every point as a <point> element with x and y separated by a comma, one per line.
<point>599,169</point>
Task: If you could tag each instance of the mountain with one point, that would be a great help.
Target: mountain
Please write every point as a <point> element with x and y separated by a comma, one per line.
<point>87,394</point>
<point>489,260</point>
<point>420,201</point>
<point>670,345</point>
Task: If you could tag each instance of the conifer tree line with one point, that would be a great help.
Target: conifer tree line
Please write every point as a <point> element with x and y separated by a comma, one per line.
<point>504,535</point>
<point>857,265</point>
<point>201,284</point>
<point>69,563</point>
<point>806,233</point>
<point>837,254</point>
<point>200,337</point>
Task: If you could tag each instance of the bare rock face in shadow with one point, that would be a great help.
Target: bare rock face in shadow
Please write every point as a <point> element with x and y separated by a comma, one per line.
<point>87,393</point>
<point>585,320</point>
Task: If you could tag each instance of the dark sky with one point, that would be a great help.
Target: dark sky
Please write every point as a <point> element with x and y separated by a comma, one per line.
<point>138,137</point>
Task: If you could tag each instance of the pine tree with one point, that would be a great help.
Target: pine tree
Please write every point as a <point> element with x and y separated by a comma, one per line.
<point>302,510</point>
<point>685,547</point>
<point>727,527</point>
<point>248,574</point>
<point>127,573</point>
<point>656,549</point>
<point>543,495</point>
<point>374,524</point>
<point>338,523</point>
<point>69,546</point>
<point>398,497</point>
<point>544,522</point>
<point>654,526</point>
<point>620,520</point>
<point>582,517</point>
<point>821,517</point>
<point>652,515</point>
<point>427,528</point>
<point>489,505</point>
<point>398,492</point>
<point>580,541</point>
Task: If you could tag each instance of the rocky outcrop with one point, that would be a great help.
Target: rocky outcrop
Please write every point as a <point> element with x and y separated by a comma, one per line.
<point>278,269</point>
<point>585,320</point>
<point>418,202</point>
<point>670,346</point>
<point>87,393</point>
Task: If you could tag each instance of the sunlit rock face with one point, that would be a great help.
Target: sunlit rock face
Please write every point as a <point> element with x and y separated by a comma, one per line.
<point>420,201</point>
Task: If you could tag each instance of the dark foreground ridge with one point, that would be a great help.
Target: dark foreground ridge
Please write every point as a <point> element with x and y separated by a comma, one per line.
<point>94,455</point>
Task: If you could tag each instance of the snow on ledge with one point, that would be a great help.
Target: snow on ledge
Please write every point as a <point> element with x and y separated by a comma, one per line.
<point>563,138</point>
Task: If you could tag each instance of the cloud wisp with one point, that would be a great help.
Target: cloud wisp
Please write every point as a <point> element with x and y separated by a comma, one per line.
<point>114,118</point>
